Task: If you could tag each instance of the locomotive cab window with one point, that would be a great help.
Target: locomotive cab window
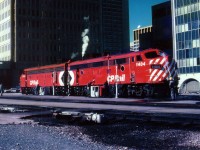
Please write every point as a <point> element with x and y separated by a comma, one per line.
<point>132,59</point>
<point>138,58</point>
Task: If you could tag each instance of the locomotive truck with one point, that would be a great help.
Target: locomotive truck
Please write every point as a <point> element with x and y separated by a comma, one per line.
<point>143,73</point>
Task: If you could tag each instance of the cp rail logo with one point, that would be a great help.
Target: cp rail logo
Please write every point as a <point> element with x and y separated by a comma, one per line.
<point>33,82</point>
<point>112,78</point>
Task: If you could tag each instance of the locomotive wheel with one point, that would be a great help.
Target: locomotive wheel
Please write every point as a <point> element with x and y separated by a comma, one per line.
<point>148,90</point>
<point>139,91</point>
<point>124,91</point>
<point>111,91</point>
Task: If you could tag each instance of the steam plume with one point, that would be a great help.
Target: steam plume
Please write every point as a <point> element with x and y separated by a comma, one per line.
<point>85,37</point>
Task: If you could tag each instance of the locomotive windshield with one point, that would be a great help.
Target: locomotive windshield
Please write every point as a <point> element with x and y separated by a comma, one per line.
<point>154,54</point>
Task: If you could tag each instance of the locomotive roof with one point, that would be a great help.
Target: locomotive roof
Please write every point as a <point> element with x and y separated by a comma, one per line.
<point>117,56</point>
<point>45,67</point>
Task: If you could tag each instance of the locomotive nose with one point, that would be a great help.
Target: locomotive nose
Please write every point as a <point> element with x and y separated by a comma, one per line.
<point>172,68</point>
<point>170,59</point>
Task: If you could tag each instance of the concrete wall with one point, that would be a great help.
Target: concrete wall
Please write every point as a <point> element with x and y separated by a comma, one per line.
<point>189,83</point>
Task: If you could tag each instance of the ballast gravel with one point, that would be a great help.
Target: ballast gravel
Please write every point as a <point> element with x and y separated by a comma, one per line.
<point>117,136</point>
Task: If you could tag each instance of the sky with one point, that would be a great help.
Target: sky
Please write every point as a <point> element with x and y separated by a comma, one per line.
<point>140,13</point>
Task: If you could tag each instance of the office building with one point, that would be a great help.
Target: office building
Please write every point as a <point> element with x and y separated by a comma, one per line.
<point>137,33</point>
<point>115,25</point>
<point>162,27</point>
<point>131,46</point>
<point>159,35</point>
<point>186,44</point>
<point>41,32</point>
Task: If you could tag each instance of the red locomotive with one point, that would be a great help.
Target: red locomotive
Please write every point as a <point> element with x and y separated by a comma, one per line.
<point>51,78</point>
<point>136,73</point>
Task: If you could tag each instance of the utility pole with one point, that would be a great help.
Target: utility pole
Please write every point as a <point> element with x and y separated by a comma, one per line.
<point>116,86</point>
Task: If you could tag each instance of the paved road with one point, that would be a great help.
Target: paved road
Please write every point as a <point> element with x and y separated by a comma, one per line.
<point>134,108</point>
<point>122,104</point>
<point>183,108</point>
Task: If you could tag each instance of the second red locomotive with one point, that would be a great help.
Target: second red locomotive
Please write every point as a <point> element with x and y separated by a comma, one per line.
<point>136,73</point>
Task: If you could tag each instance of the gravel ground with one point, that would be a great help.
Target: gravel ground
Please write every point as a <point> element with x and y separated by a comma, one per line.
<point>51,134</point>
<point>47,133</point>
<point>32,137</point>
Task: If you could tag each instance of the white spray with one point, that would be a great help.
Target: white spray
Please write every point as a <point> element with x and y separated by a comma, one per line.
<point>74,54</point>
<point>85,37</point>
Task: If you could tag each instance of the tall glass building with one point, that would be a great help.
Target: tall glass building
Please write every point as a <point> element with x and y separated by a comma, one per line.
<point>186,44</point>
<point>5,30</point>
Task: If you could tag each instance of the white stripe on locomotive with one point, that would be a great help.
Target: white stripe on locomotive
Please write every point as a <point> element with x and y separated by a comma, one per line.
<point>164,72</point>
<point>60,78</point>
<point>155,70</point>
<point>163,60</point>
<point>157,60</point>
<point>161,71</point>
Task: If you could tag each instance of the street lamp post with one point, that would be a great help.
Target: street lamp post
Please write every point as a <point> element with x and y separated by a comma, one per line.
<point>68,79</point>
<point>108,70</point>
<point>116,85</point>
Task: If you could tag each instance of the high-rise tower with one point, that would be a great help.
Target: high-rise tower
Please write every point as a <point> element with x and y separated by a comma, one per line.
<point>186,36</point>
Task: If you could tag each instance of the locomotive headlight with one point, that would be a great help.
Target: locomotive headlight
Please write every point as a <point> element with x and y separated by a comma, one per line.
<point>156,66</point>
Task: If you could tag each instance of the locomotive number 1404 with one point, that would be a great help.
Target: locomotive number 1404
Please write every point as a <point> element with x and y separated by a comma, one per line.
<point>140,64</point>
